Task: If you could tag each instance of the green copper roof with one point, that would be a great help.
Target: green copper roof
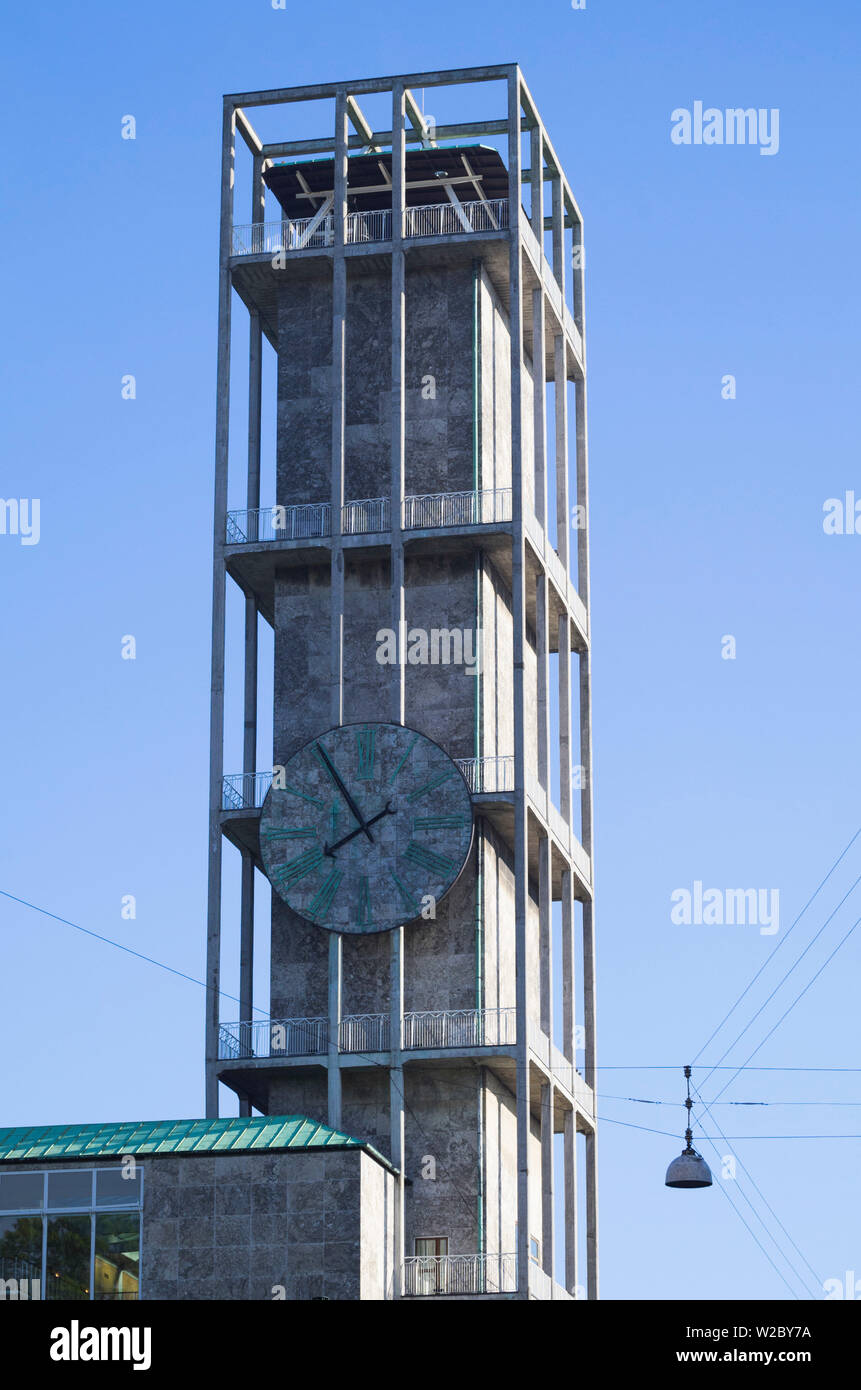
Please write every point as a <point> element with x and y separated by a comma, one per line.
<point>235,1135</point>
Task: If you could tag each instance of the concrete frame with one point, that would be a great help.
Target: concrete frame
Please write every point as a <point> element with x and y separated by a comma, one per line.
<point>528,565</point>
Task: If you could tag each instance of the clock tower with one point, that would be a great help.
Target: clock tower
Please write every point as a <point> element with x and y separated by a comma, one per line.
<point>404,525</point>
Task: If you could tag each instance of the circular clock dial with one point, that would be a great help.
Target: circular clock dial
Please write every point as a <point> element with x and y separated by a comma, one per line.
<point>367,824</point>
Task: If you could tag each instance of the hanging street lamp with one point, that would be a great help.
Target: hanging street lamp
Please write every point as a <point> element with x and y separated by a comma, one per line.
<point>690,1168</point>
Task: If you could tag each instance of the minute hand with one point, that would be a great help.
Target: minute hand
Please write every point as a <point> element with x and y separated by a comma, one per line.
<point>388,810</point>
<point>343,790</point>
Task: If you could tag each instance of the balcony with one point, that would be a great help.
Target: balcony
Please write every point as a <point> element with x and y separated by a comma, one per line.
<point>318,233</point>
<point>430,511</point>
<point>467,1275</point>
<point>246,791</point>
<point>424,1030</point>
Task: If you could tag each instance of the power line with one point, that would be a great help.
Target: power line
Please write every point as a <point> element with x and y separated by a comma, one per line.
<point>785,977</point>
<point>772,1030</point>
<point>767,1203</point>
<point>150,960</point>
<point>779,946</point>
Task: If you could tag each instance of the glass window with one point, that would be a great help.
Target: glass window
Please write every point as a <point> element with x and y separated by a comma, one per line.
<point>115,1190</point>
<point>20,1248</point>
<point>117,1260</point>
<point>67,1265</point>
<point>73,1189</point>
<point>21,1191</point>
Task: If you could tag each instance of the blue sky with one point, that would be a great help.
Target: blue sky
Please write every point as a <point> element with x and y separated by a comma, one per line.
<point>706,522</point>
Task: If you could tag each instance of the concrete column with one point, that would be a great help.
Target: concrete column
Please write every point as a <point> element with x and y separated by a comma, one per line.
<point>398,396</point>
<point>563,647</point>
<point>334,1055</point>
<point>536,179</point>
<point>558,219</point>
<point>249,740</point>
<point>545,937</point>
<point>570,1193</point>
<point>216,717</point>
<point>519,641</point>
<point>539,407</point>
<point>569,982</point>
<point>547,1180</point>
<point>339,329</point>
<point>592,1215</point>
<point>396,1094</point>
<point>542,654</point>
<point>563,519</point>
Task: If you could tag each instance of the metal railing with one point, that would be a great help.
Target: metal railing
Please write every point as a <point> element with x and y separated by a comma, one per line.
<point>307,233</point>
<point>364,1033</point>
<point>307,520</point>
<point>449,219</point>
<point>491,774</point>
<point>302,522</point>
<point>244,791</point>
<point>432,1028</point>
<point>273,1037</point>
<point>426,1275</point>
<point>309,1037</point>
<point>368,515</point>
<point>437,509</point>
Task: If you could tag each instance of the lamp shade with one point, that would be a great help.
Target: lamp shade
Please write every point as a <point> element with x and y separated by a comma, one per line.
<point>689,1170</point>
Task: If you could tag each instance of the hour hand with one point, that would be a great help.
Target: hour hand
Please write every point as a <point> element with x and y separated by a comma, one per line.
<point>388,810</point>
<point>333,772</point>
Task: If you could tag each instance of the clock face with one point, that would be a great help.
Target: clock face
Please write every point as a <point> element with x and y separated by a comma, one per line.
<point>365,825</point>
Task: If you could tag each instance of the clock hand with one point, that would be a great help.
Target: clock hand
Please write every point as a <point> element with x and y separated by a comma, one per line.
<point>363,826</point>
<point>388,811</point>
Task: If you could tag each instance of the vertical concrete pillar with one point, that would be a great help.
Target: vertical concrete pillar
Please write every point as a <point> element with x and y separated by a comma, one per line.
<point>536,182</point>
<point>396,998</point>
<point>547,1181</point>
<point>560,410</point>
<point>563,647</point>
<point>398,397</point>
<point>591,1214</point>
<point>542,654</point>
<point>545,936</point>
<point>216,717</point>
<point>539,407</point>
<point>570,1204</point>
<point>558,220</point>
<point>569,983</point>
<point>396,1095</point>
<point>334,1056</point>
<point>339,335</point>
<point>521,828</point>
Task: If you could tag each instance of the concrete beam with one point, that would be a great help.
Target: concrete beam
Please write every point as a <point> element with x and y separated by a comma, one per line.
<point>453,77</point>
<point>463,130</point>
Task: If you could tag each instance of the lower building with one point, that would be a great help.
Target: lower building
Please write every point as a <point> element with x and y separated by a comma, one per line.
<point>273,1207</point>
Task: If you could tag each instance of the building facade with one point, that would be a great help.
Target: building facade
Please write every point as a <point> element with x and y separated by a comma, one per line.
<point>423,563</point>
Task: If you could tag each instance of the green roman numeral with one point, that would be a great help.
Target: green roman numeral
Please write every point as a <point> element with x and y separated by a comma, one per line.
<point>290,873</point>
<point>427,859</point>
<point>365,741</point>
<point>294,791</point>
<point>364,909</point>
<point>430,786</point>
<point>410,903</point>
<point>404,759</point>
<point>440,822</point>
<point>322,900</point>
<point>302,832</point>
